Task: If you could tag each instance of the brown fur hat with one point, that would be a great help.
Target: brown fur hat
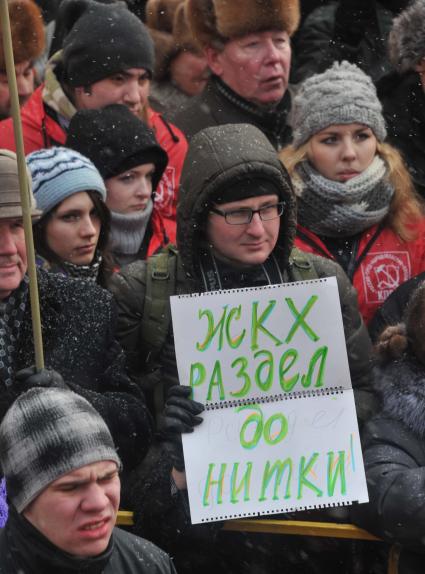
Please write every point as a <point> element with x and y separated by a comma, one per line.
<point>160,14</point>
<point>170,32</point>
<point>27,29</point>
<point>213,22</point>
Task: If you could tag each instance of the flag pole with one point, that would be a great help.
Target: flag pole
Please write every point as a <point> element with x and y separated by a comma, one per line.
<point>23,182</point>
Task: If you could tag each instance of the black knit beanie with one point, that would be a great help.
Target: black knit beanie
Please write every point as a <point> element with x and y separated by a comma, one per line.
<point>45,434</point>
<point>101,40</point>
<point>246,188</point>
<point>115,140</point>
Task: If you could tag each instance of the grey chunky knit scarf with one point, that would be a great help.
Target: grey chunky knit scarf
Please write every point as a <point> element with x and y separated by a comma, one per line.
<point>335,209</point>
<point>128,230</point>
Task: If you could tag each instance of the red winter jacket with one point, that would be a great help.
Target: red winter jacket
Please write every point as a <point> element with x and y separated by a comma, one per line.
<point>383,262</point>
<point>41,130</point>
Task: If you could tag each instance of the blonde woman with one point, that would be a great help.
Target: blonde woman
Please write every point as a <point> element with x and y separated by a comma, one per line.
<point>356,201</point>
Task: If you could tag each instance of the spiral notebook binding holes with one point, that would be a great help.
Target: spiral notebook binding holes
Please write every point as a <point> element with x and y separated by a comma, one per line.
<point>273,398</point>
<point>245,289</point>
<point>284,510</point>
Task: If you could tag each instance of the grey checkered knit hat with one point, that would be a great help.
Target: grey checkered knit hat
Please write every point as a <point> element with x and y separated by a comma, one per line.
<point>406,41</point>
<point>58,173</point>
<point>45,434</point>
<point>343,94</point>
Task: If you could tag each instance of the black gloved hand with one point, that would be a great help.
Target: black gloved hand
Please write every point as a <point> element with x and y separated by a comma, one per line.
<point>180,416</point>
<point>29,377</point>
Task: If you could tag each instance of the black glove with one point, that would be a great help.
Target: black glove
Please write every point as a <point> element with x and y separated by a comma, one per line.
<point>28,378</point>
<point>180,415</point>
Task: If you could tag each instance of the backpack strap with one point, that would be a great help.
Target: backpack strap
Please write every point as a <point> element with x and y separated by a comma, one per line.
<point>160,285</point>
<point>301,266</point>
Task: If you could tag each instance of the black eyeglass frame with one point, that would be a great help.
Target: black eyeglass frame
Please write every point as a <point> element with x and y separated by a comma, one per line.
<point>251,212</point>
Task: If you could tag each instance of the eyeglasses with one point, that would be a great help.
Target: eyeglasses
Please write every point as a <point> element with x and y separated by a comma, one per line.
<point>244,216</point>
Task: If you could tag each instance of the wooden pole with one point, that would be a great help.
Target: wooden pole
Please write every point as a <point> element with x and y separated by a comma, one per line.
<point>23,182</point>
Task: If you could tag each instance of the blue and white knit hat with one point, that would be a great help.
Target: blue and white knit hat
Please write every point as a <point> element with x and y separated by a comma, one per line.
<point>59,172</point>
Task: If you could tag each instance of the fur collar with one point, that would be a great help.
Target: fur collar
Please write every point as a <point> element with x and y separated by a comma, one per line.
<point>401,385</point>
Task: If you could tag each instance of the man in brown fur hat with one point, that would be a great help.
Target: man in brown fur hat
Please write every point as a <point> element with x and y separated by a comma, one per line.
<point>247,45</point>
<point>28,44</point>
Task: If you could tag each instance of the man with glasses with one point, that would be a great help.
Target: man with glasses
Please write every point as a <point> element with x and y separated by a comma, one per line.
<point>235,228</point>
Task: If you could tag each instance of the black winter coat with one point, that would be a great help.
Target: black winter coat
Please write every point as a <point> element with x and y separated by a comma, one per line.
<point>78,321</point>
<point>219,105</point>
<point>394,457</point>
<point>351,30</point>
<point>24,550</point>
<point>392,311</point>
<point>403,103</point>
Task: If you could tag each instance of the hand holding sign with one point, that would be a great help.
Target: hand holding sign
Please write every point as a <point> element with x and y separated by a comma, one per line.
<point>280,430</point>
<point>180,416</point>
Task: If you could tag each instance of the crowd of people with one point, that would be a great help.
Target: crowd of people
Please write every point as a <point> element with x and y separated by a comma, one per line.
<point>189,146</point>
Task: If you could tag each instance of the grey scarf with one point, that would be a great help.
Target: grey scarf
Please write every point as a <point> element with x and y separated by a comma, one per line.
<point>334,209</point>
<point>128,230</point>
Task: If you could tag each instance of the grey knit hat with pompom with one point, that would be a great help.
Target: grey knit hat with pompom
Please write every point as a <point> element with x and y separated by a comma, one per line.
<point>343,94</point>
<point>406,41</point>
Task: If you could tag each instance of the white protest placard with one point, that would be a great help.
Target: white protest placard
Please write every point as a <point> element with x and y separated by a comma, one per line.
<point>280,429</point>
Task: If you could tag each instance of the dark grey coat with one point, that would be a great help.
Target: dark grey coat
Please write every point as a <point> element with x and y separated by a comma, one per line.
<point>219,105</point>
<point>130,554</point>
<point>394,457</point>
<point>337,32</point>
<point>78,323</point>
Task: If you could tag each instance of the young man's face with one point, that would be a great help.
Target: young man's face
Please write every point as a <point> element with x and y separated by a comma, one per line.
<point>77,512</point>
<point>255,66</point>
<point>25,83</point>
<point>130,88</point>
<point>247,244</point>
<point>13,255</point>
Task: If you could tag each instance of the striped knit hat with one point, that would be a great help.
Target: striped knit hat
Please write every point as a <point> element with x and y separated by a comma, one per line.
<point>45,434</point>
<point>59,172</point>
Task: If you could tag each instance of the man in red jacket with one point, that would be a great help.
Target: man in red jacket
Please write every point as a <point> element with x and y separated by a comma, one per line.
<point>107,57</point>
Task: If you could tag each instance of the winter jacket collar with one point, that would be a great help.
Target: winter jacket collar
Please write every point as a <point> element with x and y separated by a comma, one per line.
<point>401,385</point>
<point>34,553</point>
<point>53,94</point>
<point>232,108</point>
<point>273,118</point>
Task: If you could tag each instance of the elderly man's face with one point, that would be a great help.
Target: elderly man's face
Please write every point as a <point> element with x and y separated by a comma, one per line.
<point>25,83</point>
<point>255,66</point>
<point>77,512</point>
<point>13,256</point>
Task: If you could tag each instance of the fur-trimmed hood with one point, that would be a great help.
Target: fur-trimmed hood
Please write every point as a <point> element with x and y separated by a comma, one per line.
<point>217,158</point>
<point>406,42</point>
<point>217,21</point>
<point>401,385</point>
<point>27,27</point>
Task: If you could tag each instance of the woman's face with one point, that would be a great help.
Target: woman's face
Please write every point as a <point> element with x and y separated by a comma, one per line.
<point>73,229</point>
<point>131,190</point>
<point>340,152</point>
